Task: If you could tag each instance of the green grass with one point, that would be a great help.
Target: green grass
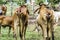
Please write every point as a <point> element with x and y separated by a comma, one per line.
<point>29,34</point>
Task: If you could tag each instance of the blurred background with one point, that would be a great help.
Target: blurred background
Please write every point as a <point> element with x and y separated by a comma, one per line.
<point>32,6</point>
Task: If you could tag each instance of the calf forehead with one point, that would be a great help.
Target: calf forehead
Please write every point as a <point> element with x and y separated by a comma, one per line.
<point>23,8</point>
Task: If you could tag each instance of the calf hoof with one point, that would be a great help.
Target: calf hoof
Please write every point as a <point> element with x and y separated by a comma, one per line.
<point>47,38</point>
<point>14,36</point>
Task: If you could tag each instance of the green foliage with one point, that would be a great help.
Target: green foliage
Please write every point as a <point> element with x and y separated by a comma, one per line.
<point>54,1</point>
<point>21,2</point>
<point>38,1</point>
<point>1,1</point>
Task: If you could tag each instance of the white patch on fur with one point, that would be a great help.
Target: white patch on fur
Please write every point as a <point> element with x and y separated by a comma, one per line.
<point>0,11</point>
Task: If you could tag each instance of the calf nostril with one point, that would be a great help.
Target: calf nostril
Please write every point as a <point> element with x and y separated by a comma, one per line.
<point>48,14</point>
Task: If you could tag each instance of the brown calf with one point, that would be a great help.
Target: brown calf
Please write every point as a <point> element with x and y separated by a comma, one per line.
<point>6,21</point>
<point>4,9</point>
<point>45,20</point>
<point>21,17</point>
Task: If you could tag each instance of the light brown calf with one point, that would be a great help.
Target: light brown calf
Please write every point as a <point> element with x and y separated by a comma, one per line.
<point>45,20</point>
<point>21,17</point>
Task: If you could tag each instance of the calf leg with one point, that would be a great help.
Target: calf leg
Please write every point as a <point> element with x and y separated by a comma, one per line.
<point>9,31</point>
<point>22,35</point>
<point>25,28</point>
<point>37,29</point>
<point>52,31</point>
<point>24,32</point>
<point>52,34</point>
<point>44,29</point>
<point>14,33</point>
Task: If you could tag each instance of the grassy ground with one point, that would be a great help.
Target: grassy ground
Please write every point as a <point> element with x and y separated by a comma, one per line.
<point>29,34</point>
